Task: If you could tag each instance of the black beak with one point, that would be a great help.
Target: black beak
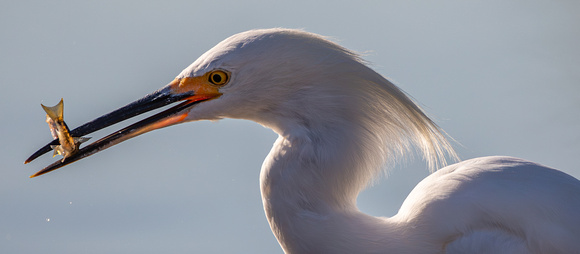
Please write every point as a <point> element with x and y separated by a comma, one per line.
<point>150,102</point>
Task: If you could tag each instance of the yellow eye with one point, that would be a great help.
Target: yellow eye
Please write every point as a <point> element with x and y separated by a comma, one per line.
<point>218,78</point>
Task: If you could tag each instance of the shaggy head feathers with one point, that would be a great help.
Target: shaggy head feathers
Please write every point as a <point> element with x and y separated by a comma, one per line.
<point>301,84</point>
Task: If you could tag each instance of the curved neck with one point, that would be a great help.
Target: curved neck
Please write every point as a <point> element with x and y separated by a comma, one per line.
<point>329,149</point>
<point>316,169</point>
<point>311,207</point>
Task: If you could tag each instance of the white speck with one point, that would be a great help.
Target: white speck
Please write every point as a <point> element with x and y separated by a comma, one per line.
<point>70,203</point>
<point>47,219</point>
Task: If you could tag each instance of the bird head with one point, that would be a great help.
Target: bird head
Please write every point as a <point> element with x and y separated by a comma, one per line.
<point>288,80</point>
<point>271,76</point>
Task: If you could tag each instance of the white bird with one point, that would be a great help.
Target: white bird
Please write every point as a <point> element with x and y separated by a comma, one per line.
<point>339,124</point>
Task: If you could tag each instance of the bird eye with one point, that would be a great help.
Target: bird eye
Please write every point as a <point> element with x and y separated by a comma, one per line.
<point>218,78</point>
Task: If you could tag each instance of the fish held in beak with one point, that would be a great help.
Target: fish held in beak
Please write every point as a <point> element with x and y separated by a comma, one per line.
<point>68,145</point>
<point>188,91</point>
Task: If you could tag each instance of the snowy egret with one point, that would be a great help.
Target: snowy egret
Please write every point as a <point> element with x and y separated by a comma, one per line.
<point>339,123</point>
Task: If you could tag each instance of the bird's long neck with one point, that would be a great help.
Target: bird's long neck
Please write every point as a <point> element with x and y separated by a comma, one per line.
<point>329,148</point>
<point>309,191</point>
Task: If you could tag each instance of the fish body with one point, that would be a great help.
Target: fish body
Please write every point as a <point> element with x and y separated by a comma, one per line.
<point>69,145</point>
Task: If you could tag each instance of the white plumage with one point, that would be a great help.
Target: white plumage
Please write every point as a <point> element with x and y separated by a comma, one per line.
<point>340,123</point>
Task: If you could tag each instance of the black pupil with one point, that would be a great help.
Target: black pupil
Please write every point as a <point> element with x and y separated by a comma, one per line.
<point>217,78</point>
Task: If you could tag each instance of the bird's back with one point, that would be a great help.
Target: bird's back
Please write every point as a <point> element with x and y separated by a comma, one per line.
<point>489,204</point>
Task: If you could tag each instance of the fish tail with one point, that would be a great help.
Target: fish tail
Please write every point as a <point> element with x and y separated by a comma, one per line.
<point>55,112</point>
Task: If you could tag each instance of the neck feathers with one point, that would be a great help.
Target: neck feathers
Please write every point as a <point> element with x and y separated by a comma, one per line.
<point>348,130</point>
<point>336,136</point>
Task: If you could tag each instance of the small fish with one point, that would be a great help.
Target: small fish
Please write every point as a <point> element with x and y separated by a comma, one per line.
<point>69,145</point>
